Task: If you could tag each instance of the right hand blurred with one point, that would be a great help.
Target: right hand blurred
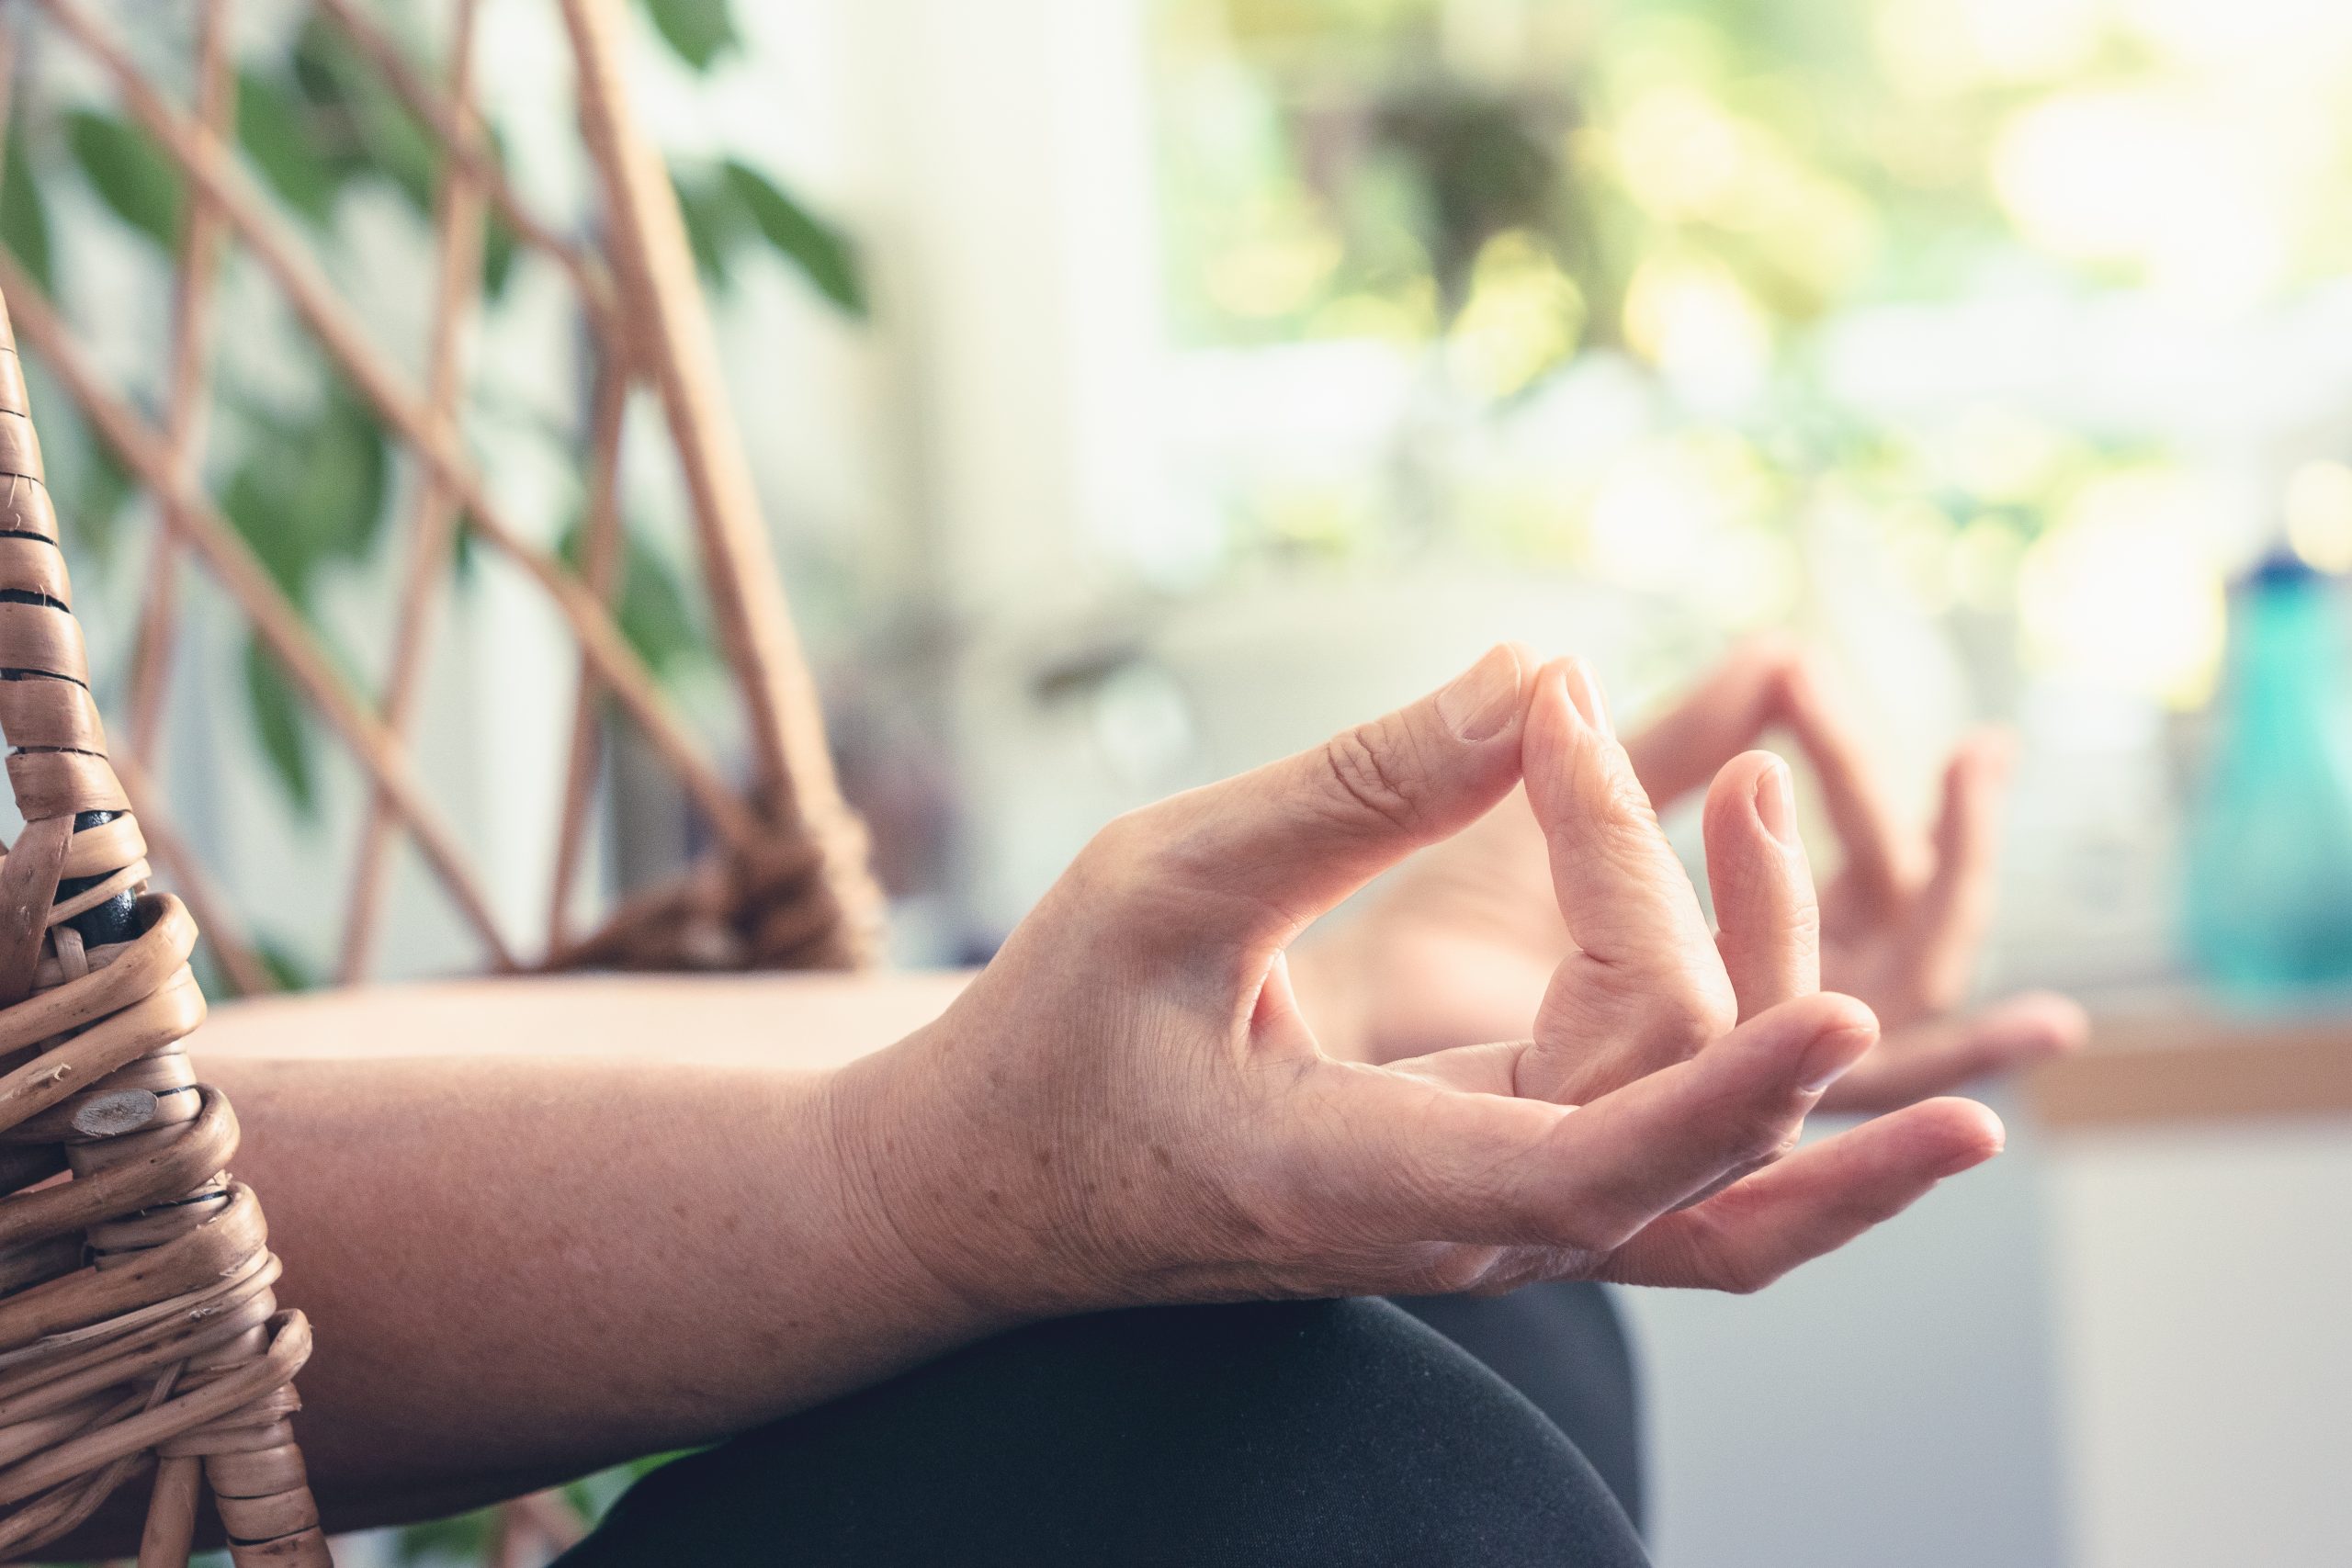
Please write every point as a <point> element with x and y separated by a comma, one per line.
<point>1128,1106</point>
<point>1466,938</point>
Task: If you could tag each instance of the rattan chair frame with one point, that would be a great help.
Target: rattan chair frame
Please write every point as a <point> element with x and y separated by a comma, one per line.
<point>136,1320</point>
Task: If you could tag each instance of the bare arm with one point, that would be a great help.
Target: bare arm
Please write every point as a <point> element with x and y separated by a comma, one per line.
<point>766,1021</point>
<point>630,1226</point>
<point>546,1226</point>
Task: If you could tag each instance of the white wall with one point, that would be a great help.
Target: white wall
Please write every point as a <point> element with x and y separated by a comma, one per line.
<point>1891,1405</point>
<point>2205,1297</point>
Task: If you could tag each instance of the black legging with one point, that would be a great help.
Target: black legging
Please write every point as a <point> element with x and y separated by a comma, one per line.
<point>1564,1347</point>
<point>1306,1434</point>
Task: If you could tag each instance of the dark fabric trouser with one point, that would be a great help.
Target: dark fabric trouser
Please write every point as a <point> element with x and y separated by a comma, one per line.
<point>1307,1434</point>
<point>1564,1347</point>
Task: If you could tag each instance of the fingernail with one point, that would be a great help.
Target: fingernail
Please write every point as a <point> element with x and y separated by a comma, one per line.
<point>1967,1159</point>
<point>1481,700</point>
<point>1585,692</point>
<point>1776,805</point>
<point>1829,1058</point>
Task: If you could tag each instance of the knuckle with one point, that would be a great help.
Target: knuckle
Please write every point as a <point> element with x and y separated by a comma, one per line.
<point>1453,1271</point>
<point>1597,1229</point>
<point>1370,771</point>
<point>1624,806</point>
<point>1712,1261</point>
<point>1744,1274</point>
<point>1762,1135</point>
<point>1805,925</point>
<point>1525,1266</point>
<point>1685,1015</point>
<point>1122,853</point>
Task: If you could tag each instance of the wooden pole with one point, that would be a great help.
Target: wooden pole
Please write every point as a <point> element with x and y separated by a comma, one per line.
<point>183,424</point>
<point>792,766</point>
<point>432,530</point>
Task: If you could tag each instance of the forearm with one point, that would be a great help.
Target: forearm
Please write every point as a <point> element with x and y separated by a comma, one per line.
<point>765,1020</point>
<point>533,1255</point>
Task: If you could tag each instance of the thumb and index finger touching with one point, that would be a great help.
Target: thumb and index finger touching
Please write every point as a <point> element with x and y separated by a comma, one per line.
<point>1647,984</point>
<point>1292,839</point>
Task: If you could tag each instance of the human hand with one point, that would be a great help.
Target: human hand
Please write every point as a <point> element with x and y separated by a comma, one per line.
<point>1904,920</point>
<point>1129,1105</point>
<point>1467,930</point>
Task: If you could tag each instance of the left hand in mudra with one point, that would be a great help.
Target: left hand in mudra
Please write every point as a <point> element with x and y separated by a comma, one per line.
<point>1470,932</point>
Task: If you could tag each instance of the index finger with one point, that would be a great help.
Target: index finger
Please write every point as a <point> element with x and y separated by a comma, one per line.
<point>1621,887</point>
<point>1645,986</point>
<point>1880,854</point>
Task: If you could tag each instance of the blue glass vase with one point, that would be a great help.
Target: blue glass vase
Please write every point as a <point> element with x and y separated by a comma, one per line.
<point>2269,832</point>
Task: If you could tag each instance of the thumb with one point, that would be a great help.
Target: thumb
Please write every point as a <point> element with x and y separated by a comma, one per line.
<point>1271,850</point>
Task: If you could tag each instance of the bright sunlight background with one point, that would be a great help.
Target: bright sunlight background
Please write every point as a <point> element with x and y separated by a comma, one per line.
<point>1660,290</point>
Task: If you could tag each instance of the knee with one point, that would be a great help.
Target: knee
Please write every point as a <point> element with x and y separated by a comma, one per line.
<point>1337,1432</point>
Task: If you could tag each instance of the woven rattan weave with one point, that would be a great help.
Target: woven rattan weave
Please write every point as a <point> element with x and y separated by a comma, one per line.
<point>137,1322</point>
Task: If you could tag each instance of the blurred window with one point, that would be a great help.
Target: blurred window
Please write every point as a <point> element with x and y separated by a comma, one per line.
<point>2031,294</point>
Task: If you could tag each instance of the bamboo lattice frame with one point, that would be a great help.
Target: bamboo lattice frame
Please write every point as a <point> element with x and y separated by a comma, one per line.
<point>136,1314</point>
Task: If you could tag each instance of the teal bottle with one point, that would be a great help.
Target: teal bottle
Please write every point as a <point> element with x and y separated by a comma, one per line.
<point>2269,832</point>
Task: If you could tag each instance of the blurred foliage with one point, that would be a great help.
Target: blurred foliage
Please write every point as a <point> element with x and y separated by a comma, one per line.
<point>282,726</point>
<point>130,172</point>
<point>309,488</point>
<point>466,1538</point>
<point>731,202</point>
<point>311,495</point>
<point>701,31</point>
<point>655,614</point>
<point>1337,163</point>
<point>24,225</point>
<point>1660,218</point>
<point>1341,164</point>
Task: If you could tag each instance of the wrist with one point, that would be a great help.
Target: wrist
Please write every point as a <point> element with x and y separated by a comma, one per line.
<point>881,1142</point>
<point>960,1217</point>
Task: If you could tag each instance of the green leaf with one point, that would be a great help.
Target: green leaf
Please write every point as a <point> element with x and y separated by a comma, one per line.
<point>498,247</point>
<point>313,491</point>
<point>91,511</point>
<point>344,477</point>
<point>699,31</point>
<point>87,483</point>
<point>499,252</point>
<point>130,173</point>
<point>285,967</point>
<point>714,220</point>
<point>282,724</point>
<point>655,614</point>
<point>24,219</point>
<point>357,120</point>
<point>274,126</point>
<point>823,253</point>
<point>465,1539</point>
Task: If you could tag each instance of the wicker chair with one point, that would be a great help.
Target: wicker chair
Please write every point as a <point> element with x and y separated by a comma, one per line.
<point>137,1321</point>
